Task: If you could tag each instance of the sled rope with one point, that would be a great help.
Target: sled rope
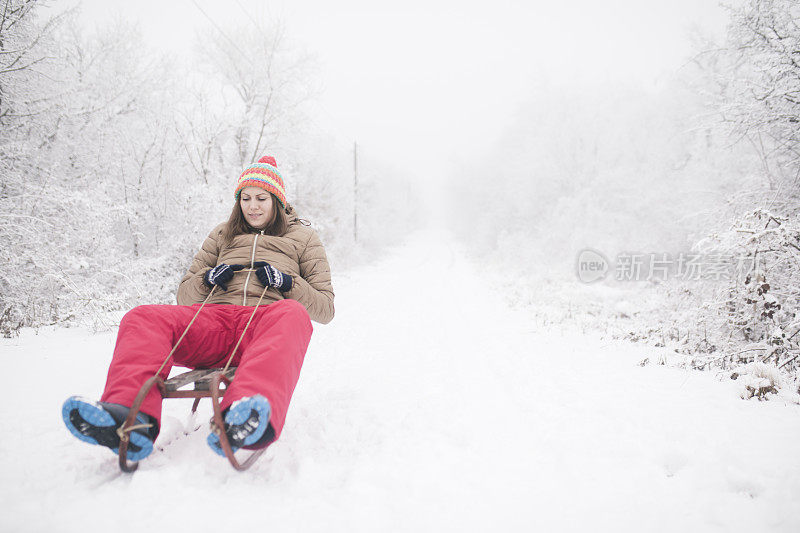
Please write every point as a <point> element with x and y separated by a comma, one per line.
<point>185,331</point>
<point>213,425</point>
<point>122,431</point>
<point>255,308</point>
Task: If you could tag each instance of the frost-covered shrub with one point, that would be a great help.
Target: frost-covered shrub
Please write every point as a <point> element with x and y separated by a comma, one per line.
<point>760,380</point>
<point>748,324</point>
<point>757,312</point>
<point>763,296</point>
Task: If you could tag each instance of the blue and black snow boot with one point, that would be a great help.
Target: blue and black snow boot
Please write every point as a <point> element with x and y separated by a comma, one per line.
<point>97,423</point>
<point>246,425</point>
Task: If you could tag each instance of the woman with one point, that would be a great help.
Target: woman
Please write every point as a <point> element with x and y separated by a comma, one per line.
<point>263,236</point>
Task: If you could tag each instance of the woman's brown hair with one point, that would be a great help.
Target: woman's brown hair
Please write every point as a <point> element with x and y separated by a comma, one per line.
<point>237,224</point>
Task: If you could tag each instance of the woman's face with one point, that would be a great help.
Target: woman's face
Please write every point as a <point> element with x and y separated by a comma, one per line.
<point>256,204</point>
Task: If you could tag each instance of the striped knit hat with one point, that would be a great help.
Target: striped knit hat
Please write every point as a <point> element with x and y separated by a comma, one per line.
<point>263,174</point>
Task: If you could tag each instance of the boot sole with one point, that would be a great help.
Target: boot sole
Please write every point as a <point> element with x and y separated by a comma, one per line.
<point>238,413</point>
<point>89,422</point>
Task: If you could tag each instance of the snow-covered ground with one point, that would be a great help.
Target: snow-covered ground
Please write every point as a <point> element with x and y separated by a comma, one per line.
<point>426,405</point>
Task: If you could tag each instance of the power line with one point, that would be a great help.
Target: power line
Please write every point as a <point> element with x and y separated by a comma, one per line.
<point>220,30</point>
<point>247,14</point>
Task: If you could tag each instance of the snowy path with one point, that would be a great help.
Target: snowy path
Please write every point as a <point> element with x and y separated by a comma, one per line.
<point>418,409</point>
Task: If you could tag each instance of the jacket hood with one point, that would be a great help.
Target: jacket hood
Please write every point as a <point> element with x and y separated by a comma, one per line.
<point>291,214</point>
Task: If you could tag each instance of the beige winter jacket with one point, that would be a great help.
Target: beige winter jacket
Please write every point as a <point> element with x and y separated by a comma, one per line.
<point>298,253</point>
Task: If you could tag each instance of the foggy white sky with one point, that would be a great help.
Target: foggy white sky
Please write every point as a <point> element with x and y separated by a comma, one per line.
<point>430,82</point>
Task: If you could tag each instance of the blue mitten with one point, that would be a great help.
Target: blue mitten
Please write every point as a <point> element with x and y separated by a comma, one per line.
<point>220,275</point>
<point>269,276</point>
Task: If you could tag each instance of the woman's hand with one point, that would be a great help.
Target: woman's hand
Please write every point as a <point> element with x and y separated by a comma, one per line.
<point>269,276</point>
<point>220,275</point>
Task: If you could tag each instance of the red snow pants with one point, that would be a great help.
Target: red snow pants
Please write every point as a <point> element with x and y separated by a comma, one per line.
<point>269,357</point>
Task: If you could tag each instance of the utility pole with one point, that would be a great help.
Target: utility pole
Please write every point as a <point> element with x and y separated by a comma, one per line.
<point>355,191</point>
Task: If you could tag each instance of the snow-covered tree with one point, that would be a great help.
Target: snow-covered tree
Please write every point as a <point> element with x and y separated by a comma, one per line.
<point>108,169</point>
<point>260,82</point>
<point>759,92</point>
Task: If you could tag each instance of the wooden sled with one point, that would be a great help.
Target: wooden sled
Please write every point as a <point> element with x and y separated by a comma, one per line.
<point>207,384</point>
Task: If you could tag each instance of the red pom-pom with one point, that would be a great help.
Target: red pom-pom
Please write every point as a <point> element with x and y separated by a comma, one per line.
<point>268,159</point>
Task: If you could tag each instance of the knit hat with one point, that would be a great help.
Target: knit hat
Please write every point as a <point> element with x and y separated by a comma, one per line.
<point>263,174</point>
